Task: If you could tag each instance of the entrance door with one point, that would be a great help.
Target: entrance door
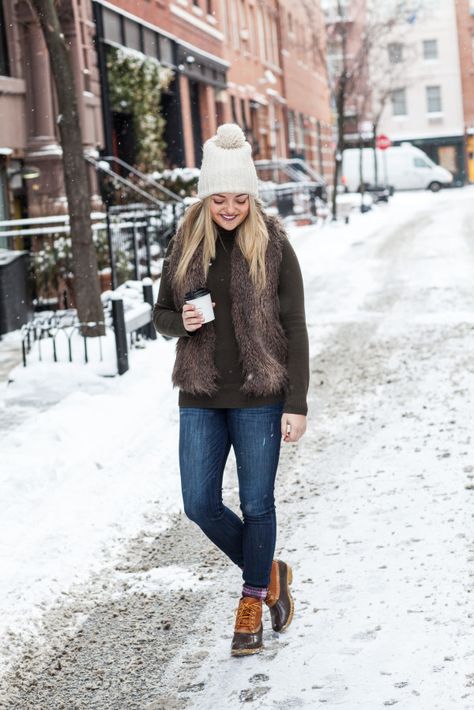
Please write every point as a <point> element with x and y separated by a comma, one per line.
<point>194,98</point>
<point>173,133</point>
<point>123,138</point>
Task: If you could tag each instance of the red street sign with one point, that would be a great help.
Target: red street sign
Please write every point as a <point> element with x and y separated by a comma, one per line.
<point>383,142</point>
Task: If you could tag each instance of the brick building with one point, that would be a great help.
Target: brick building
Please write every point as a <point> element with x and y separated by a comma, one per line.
<point>465,27</point>
<point>255,80</point>
<point>303,49</point>
<point>187,38</point>
<point>229,60</point>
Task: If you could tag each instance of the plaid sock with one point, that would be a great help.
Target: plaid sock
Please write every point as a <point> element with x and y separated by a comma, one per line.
<point>258,592</point>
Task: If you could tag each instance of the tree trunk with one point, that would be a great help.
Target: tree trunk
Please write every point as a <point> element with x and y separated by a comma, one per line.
<point>84,258</point>
<point>340,107</point>
<point>361,172</point>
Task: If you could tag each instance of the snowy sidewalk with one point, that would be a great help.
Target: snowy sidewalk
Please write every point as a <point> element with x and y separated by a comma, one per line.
<point>374,504</point>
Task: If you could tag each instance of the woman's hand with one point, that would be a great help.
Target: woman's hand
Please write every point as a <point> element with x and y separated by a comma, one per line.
<point>193,318</point>
<point>293,426</point>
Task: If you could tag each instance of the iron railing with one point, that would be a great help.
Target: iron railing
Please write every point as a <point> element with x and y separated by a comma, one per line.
<point>59,336</point>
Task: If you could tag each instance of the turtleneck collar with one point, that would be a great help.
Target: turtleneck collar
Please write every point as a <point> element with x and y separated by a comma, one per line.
<point>225,233</point>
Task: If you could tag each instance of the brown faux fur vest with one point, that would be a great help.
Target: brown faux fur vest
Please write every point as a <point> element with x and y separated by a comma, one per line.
<point>260,336</point>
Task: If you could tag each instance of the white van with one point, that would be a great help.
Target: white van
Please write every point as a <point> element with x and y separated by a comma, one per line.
<point>404,167</point>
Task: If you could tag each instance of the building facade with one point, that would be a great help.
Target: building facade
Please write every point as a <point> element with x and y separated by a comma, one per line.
<point>187,39</point>
<point>255,81</point>
<point>426,108</point>
<point>465,26</point>
<point>308,110</point>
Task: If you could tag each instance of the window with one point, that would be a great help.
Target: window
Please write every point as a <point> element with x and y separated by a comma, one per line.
<point>301,141</point>
<point>395,52</point>
<point>261,33</point>
<point>150,43</point>
<point>132,35</point>
<point>243,24</point>
<point>433,99</point>
<point>291,130</point>
<point>252,37</point>
<point>471,7</point>
<point>166,50</point>
<point>112,26</point>
<point>233,108</point>
<point>472,44</point>
<point>268,38</point>
<point>399,102</point>
<point>209,8</point>
<point>4,63</point>
<point>430,49</point>
<point>314,46</point>
<point>3,203</point>
<point>243,113</point>
<point>420,163</point>
<point>234,23</point>
<point>274,40</point>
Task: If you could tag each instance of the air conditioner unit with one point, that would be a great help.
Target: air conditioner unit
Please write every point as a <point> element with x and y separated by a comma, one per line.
<point>244,33</point>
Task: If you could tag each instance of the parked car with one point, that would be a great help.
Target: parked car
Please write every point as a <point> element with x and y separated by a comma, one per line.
<point>403,167</point>
<point>291,187</point>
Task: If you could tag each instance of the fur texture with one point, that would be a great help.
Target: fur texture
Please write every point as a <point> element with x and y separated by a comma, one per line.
<point>255,316</point>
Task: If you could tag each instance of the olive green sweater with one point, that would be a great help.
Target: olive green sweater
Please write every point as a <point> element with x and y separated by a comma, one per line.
<point>169,322</point>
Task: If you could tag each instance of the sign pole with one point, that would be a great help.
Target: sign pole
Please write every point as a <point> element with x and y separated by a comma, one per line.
<point>383,142</point>
<point>385,172</point>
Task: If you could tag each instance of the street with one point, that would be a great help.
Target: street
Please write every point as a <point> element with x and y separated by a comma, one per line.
<point>375,508</point>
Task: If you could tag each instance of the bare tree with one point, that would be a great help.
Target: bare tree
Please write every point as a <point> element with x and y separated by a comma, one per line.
<point>353,31</point>
<point>86,282</point>
<point>388,73</point>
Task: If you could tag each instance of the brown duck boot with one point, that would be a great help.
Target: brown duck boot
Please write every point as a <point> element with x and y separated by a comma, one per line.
<point>279,599</point>
<point>248,627</point>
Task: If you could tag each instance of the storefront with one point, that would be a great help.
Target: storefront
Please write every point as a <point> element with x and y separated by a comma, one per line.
<point>159,124</point>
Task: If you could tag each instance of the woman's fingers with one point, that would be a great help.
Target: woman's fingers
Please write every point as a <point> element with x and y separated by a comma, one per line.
<point>192,317</point>
<point>293,426</point>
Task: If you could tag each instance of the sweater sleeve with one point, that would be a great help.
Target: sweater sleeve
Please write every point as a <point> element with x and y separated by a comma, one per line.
<point>292,315</point>
<point>168,321</point>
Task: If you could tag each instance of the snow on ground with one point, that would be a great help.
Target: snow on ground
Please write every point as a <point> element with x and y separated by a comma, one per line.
<point>77,476</point>
<point>84,456</point>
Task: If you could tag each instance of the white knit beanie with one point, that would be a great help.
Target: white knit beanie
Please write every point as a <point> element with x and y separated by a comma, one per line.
<point>227,164</point>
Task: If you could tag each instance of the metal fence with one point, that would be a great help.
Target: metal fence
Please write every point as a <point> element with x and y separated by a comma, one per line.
<point>137,239</point>
<point>59,336</point>
<point>130,242</point>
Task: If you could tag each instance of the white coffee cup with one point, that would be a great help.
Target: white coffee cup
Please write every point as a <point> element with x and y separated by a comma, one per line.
<point>201,298</point>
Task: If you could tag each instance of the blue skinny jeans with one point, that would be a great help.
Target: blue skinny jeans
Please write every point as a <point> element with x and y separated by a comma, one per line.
<point>205,438</point>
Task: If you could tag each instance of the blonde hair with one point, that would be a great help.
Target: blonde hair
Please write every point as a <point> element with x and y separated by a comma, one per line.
<point>198,226</point>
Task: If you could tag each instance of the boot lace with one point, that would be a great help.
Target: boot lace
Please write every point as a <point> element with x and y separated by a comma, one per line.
<point>246,614</point>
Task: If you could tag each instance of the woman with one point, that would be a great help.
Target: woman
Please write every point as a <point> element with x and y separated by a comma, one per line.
<point>243,377</point>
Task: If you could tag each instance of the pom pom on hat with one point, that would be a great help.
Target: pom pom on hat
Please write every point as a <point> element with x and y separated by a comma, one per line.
<point>230,135</point>
<point>227,164</point>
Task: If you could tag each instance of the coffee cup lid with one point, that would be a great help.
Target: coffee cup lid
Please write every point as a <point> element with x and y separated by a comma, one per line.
<point>197,293</point>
